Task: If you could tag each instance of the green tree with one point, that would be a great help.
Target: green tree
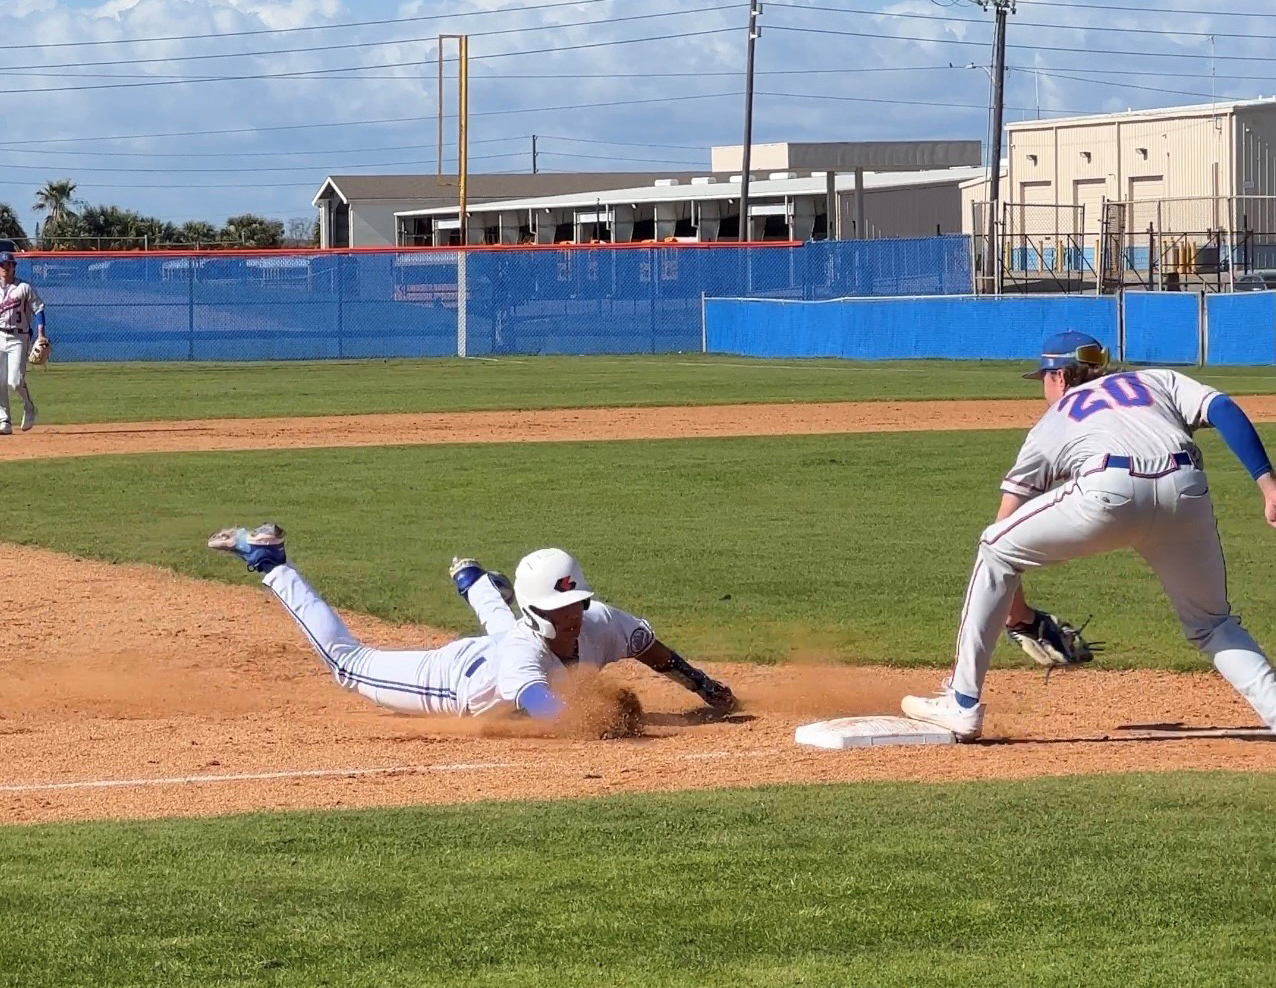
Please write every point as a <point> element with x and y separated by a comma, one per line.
<point>197,233</point>
<point>57,200</point>
<point>250,230</point>
<point>11,226</point>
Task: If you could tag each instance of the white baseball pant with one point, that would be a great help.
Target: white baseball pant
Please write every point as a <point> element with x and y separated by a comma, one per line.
<point>413,681</point>
<point>14,348</point>
<point>1166,517</point>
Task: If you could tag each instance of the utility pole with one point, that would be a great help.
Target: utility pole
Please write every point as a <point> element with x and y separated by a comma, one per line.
<point>533,154</point>
<point>755,8</point>
<point>463,120</point>
<point>1000,9</point>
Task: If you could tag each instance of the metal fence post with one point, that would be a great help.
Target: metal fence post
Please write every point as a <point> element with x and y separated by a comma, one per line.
<point>462,303</point>
<point>1120,309</point>
<point>190,308</point>
<point>340,274</point>
<point>1202,330</point>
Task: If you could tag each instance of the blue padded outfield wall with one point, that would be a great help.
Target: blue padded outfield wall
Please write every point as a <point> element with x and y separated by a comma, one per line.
<point>280,305</point>
<point>962,328</point>
<point>872,299</point>
<point>1241,328</point>
<point>1162,328</point>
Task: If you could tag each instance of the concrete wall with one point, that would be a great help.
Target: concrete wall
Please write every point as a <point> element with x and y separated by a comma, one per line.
<point>908,212</point>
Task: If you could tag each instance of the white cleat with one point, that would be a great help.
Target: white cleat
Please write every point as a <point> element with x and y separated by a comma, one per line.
<point>943,710</point>
<point>6,429</point>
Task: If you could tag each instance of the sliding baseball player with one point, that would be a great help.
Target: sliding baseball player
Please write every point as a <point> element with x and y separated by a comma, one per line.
<point>519,663</point>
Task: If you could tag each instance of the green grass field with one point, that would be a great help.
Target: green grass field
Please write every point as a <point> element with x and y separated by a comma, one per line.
<point>1112,882</point>
<point>857,547</point>
<point>136,392</point>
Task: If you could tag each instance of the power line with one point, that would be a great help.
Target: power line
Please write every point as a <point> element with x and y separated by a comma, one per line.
<point>1105,28</point>
<point>239,169</point>
<point>366,44</point>
<point>1153,10</point>
<point>318,27</point>
<point>313,72</point>
<point>249,154</point>
<point>627,144</point>
<point>908,102</point>
<point>44,141</point>
<point>618,157</point>
<point>1049,48</point>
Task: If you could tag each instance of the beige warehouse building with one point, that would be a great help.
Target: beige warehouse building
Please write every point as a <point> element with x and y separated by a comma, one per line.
<point>1215,151</point>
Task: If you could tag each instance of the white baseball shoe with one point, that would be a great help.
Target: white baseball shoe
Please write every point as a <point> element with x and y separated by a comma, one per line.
<point>6,429</point>
<point>943,710</point>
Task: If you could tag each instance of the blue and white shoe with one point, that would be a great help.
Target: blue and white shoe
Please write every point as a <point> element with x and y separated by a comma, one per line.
<point>464,573</point>
<point>262,549</point>
<point>943,710</point>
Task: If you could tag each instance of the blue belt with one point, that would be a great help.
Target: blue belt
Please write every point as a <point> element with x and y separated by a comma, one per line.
<point>1181,458</point>
<point>475,666</point>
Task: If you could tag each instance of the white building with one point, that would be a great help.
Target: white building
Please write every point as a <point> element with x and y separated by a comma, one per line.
<point>871,189</point>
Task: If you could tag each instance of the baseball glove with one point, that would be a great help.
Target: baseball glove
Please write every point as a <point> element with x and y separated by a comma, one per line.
<point>41,350</point>
<point>1053,643</point>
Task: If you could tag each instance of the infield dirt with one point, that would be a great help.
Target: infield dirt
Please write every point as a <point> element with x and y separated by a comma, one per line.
<point>130,691</point>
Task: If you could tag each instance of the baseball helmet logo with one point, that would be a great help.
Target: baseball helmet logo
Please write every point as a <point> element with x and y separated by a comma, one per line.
<point>564,584</point>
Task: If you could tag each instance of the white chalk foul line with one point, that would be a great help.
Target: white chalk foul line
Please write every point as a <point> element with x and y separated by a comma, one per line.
<point>328,773</point>
<point>186,780</point>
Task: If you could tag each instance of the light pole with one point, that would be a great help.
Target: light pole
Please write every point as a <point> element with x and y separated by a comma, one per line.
<point>1000,9</point>
<point>755,8</point>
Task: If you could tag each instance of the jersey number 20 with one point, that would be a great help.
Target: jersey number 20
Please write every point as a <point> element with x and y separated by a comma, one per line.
<point>1123,390</point>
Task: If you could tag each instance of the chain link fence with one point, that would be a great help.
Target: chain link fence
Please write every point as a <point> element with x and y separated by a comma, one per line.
<point>278,305</point>
<point>1171,244</point>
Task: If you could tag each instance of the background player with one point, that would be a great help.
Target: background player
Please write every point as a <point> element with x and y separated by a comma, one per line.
<point>20,309</point>
<point>1132,478</point>
<point>519,661</point>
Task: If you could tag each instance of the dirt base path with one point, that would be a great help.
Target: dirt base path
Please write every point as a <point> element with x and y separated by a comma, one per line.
<point>184,698</point>
<point>540,426</point>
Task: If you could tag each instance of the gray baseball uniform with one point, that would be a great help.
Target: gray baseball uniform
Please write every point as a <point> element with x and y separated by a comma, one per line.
<point>1130,476</point>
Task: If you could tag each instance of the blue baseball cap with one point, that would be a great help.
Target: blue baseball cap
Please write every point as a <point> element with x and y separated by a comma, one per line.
<point>1069,349</point>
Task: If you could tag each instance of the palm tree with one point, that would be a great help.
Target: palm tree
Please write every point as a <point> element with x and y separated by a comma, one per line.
<point>11,226</point>
<point>57,199</point>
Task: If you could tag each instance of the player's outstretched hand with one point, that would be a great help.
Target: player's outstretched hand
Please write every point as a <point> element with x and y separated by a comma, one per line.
<point>1267,485</point>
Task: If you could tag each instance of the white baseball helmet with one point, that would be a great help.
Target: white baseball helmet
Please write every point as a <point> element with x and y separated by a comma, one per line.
<point>546,580</point>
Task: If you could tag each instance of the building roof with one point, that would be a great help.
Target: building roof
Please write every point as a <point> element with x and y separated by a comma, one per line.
<point>698,189</point>
<point>427,188</point>
<point>1154,113</point>
<point>845,156</point>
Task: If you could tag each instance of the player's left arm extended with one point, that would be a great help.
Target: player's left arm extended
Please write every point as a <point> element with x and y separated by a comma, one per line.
<point>1243,440</point>
<point>1240,435</point>
<point>660,658</point>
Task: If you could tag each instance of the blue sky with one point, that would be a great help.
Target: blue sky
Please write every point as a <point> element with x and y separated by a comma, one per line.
<point>157,126</point>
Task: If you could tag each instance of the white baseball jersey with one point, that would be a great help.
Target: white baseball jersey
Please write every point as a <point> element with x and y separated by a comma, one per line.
<point>467,676</point>
<point>1134,480</point>
<point>19,302</point>
<point>1148,416</point>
